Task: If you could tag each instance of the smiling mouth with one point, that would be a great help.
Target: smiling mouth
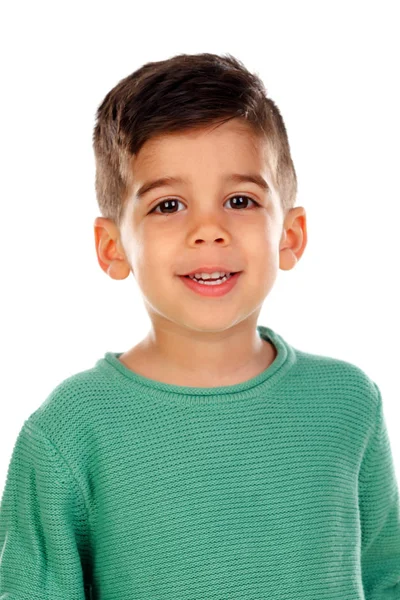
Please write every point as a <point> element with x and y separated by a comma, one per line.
<point>212,288</point>
<point>195,278</point>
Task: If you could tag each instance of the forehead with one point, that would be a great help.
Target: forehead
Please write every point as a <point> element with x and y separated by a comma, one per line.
<point>230,144</point>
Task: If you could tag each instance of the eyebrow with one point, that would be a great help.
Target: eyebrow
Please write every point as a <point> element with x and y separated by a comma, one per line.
<point>233,177</point>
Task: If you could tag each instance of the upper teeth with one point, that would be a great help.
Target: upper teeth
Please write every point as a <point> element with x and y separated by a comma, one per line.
<point>215,275</point>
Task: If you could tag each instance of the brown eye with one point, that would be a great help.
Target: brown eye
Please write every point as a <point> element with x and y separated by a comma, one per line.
<point>171,203</point>
<point>242,197</point>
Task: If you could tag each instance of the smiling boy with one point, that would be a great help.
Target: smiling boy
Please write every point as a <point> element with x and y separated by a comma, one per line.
<point>213,459</point>
<point>195,226</point>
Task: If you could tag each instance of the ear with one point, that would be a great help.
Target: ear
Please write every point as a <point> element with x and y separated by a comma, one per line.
<point>294,238</point>
<point>110,254</point>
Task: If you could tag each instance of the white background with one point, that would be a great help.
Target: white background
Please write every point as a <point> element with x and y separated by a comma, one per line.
<point>333,70</point>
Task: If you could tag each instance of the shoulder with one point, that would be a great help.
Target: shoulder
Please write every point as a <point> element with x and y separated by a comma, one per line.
<point>335,379</point>
<point>66,414</point>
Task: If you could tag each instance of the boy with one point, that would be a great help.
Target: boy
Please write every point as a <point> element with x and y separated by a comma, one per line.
<point>213,460</point>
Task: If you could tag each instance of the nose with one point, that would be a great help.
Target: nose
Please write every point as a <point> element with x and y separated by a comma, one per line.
<point>208,226</point>
<point>202,241</point>
<point>209,235</point>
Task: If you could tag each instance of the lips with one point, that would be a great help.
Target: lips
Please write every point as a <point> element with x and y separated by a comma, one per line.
<point>211,291</point>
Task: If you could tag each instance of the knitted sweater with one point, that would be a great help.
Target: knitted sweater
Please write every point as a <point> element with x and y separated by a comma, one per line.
<point>282,487</point>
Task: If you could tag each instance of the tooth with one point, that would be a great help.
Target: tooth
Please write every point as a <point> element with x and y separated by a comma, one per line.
<point>215,275</point>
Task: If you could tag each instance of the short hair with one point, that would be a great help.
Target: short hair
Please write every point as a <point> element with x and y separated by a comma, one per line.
<point>183,92</point>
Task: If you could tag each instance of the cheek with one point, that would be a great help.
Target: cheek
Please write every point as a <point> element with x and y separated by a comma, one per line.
<point>257,241</point>
<point>156,255</point>
<point>261,252</point>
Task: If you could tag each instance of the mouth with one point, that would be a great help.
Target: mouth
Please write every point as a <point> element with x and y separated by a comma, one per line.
<point>212,288</point>
<point>229,275</point>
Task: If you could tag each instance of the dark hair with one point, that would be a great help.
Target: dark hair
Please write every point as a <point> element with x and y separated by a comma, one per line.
<point>182,92</point>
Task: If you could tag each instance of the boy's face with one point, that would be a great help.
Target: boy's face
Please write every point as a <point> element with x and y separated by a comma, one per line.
<point>206,225</point>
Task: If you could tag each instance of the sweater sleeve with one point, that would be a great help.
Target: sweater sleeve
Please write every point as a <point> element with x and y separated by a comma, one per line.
<point>43,526</point>
<point>379,515</point>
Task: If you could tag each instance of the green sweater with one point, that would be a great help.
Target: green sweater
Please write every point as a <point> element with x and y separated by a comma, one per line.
<point>282,487</point>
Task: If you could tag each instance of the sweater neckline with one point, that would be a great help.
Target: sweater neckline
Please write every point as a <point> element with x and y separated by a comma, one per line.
<point>284,359</point>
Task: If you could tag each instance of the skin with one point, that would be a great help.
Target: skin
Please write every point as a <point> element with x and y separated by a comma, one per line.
<point>195,340</point>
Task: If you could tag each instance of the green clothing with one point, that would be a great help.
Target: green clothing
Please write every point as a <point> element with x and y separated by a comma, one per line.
<point>282,487</point>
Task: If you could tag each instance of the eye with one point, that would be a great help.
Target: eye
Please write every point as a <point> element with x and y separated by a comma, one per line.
<point>171,201</point>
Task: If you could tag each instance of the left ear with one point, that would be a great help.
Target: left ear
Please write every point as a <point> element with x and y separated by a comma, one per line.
<point>294,238</point>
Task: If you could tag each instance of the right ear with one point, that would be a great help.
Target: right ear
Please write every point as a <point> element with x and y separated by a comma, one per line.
<point>110,254</point>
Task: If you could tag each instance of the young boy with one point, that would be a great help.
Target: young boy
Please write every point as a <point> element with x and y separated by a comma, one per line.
<point>213,460</point>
